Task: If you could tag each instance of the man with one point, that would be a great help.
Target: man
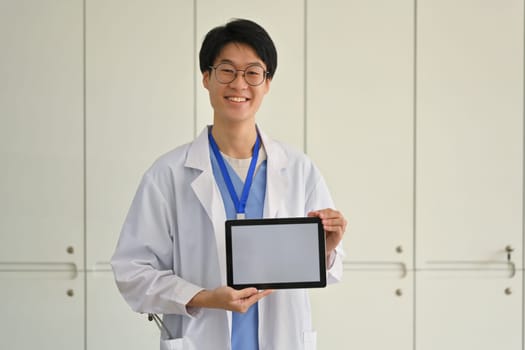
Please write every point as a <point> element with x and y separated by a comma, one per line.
<point>170,258</point>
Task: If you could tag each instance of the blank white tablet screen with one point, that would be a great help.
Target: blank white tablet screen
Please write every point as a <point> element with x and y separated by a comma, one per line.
<point>275,253</point>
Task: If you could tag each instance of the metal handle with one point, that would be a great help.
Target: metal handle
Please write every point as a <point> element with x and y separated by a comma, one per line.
<point>509,251</point>
<point>377,265</point>
<point>468,263</point>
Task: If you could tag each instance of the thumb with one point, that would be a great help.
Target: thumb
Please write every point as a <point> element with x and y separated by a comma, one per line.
<point>246,292</point>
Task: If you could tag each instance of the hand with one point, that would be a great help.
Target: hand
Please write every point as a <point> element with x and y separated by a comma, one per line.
<point>334,225</point>
<point>227,298</point>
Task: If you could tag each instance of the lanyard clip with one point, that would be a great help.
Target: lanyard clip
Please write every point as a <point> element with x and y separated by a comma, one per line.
<point>241,216</point>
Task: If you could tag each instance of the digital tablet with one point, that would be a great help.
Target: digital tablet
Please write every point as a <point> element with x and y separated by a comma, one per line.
<point>275,253</point>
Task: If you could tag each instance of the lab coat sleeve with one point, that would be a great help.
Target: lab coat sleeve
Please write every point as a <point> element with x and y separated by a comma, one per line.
<point>143,259</point>
<point>319,198</point>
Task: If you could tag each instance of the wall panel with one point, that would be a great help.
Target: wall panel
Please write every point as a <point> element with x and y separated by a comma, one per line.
<point>468,310</point>
<point>41,310</point>
<point>469,130</point>
<point>368,310</point>
<point>41,132</point>
<point>139,98</point>
<point>110,322</point>
<point>360,120</point>
<point>469,183</point>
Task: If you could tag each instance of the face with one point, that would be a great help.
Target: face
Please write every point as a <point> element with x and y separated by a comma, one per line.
<point>236,101</point>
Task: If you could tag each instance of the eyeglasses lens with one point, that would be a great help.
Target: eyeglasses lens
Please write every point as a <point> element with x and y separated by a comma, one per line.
<point>253,75</point>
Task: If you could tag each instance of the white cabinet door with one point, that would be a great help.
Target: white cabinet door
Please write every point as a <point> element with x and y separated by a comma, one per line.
<point>282,112</point>
<point>469,130</point>
<point>368,310</point>
<point>41,310</point>
<point>360,133</point>
<point>139,98</point>
<point>469,186</point>
<point>41,131</point>
<point>360,119</point>
<point>110,322</point>
<point>457,310</point>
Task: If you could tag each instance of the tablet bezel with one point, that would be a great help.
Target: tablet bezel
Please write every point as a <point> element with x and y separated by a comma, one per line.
<point>277,221</point>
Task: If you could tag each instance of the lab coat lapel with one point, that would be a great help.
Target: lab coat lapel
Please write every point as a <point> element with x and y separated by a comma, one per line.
<point>276,180</point>
<point>206,190</point>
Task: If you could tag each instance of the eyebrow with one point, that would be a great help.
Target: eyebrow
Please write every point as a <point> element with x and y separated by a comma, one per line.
<point>247,65</point>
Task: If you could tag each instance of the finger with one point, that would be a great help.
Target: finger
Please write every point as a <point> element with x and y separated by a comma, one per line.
<point>334,224</point>
<point>266,292</point>
<point>322,214</point>
<point>334,229</point>
<point>327,213</point>
<point>246,293</point>
<point>330,218</point>
<point>331,214</point>
<point>256,297</point>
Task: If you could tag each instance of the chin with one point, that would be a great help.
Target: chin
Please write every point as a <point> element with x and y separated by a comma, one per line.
<point>240,118</point>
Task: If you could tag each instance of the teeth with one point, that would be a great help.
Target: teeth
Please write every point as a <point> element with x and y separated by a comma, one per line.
<point>237,99</point>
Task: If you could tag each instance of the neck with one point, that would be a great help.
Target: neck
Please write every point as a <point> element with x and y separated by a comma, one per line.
<point>235,141</point>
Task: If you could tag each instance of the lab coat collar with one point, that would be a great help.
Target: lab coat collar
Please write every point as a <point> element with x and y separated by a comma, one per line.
<point>199,153</point>
<point>208,194</point>
<point>276,181</point>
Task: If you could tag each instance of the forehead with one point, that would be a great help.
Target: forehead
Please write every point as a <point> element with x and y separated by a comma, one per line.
<point>238,54</point>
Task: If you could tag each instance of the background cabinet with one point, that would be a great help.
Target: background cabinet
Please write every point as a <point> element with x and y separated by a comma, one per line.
<point>139,59</point>
<point>413,111</point>
<point>139,88</point>
<point>110,322</point>
<point>360,132</point>
<point>41,132</point>
<point>41,177</point>
<point>468,310</point>
<point>369,310</point>
<point>360,98</point>
<point>42,310</point>
<point>469,174</point>
<point>469,130</point>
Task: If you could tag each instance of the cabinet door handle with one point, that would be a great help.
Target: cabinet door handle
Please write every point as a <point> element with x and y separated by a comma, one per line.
<point>472,265</point>
<point>475,265</point>
<point>377,265</point>
<point>509,251</point>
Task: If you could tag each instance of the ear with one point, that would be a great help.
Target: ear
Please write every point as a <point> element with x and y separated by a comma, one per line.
<point>206,79</point>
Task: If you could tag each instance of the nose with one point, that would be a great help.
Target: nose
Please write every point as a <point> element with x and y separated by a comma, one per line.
<point>239,81</point>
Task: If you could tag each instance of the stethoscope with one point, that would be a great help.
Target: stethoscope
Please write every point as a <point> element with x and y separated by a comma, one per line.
<point>160,324</point>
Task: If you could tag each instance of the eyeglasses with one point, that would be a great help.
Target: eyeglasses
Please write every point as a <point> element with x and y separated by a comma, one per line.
<point>254,74</point>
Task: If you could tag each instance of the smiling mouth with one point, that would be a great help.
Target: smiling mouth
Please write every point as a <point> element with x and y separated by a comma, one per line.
<point>237,99</point>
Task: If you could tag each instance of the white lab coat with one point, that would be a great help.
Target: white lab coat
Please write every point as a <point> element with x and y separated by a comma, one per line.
<point>172,245</point>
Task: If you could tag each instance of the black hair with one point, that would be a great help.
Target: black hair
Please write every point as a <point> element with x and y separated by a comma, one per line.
<point>240,31</point>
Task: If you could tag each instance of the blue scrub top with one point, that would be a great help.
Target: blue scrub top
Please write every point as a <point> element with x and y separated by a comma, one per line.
<point>245,327</point>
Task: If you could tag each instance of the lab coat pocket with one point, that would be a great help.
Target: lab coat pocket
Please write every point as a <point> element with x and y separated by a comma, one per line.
<point>172,344</point>
<point>310,340</point>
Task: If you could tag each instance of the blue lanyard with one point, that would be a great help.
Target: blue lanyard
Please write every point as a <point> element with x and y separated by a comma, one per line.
<point>240,204</point>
